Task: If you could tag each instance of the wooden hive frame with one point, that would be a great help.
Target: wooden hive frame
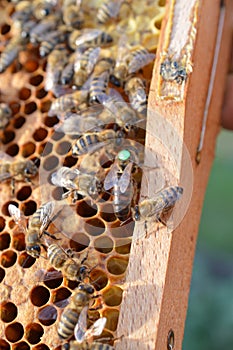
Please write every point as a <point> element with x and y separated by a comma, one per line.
<point>160,267</point>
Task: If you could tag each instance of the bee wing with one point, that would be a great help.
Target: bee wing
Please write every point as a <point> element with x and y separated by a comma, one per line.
<point>137,63</point>
<point>87,35</point>
<point>17,216</point>
<point>97,328</point>
<point>77,125</point>
<point>114,8</point>
<point>111,178</point>
<point>64,177</point>
<point>81,326</point>
<point>46,213</point>
<point>93,57</point>
<point>5,176</point>
<point>125,178</point>
<point>5,157</point>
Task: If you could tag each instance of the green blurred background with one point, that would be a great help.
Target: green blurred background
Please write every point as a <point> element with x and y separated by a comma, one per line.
<point>209,322</point>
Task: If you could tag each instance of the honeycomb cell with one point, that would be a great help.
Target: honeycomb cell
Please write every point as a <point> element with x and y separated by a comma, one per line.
<point>45,149</point>
<point>112,319</point>
<point>45,106</point>
<point>107,213</point>
<point>14,332</point>
<point>40,134</point>
<point>51,121</point>
<point>24,193</point>
<point>8,136</point>
<point>79,242</point>
<point>58,192</point>
<point>18,122</point>
<point>162,3</point>
<point>98,279</point>
<point>50,163</point>
<point>157,24</point>
<point>28,149</point>
<point>8,258</point>
<point>41,93</point>
<point>103,244</point>
<point>25,260</point>
<point>47,315</point>
<point>24,94</point>
<point>12,150</point>
<point>19,241</point>
<point>60,297</point>
<point>122,231</point>
<point>5,29</point>
<point>70,161</point>
<point>72,284</point>
<point>31,66</point>
<point>5,207</point>
<point>116,265</point>
<point>33,333</point>
<point>2,224</point>
<point>86,209</point>
<point>4,345</point>
<point>5,240</point>
<point>8,312</point>
<point>2,274</point>
<point>36,80</point>
<point>21,346</point>
<point>39,296</point>
<point>94,227</point>
<point>41,347</point>
<point>112,296</point>
<point>15,107</point>
<point>29,208</point>
<point>30,107</point>
<point>63,147</point>
<point>122,247</point>
<point>53,279</point>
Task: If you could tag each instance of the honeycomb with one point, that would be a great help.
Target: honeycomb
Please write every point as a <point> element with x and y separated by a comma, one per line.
<point>32,293</point>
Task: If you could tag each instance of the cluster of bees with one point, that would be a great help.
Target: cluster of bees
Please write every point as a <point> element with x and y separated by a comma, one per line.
<point>94,69</point>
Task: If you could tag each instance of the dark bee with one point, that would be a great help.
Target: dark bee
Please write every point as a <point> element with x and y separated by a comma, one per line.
<point>89,38</point>
<point>172,70</point>
<point>84,64</point>
<point>11,51</point>
<point>108,10</point>
<point>66,103</point>
<point>41,30</point>
<point>51,40</point>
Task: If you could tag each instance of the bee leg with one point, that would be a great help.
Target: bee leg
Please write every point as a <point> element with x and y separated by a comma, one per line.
<point>13,186</point>
<point>52,236</point>
<point>159,219</point>
<point>146,229</point>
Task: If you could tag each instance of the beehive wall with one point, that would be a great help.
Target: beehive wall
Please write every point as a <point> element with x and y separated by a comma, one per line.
<point>32,298</point>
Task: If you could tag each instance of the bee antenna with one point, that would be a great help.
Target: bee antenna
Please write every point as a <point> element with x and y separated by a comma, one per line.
<point>127,220</point>
<point>36,162</point>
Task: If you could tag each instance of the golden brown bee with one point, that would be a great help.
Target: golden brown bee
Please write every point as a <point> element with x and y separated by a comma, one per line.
<point>92,141</point>
<point>73,16</point>
<point>5,115</point>
<point>120,179</point>
<point>84,64</point>
<point>71,268</point>
<point>89,38</point>
<point>84,335</point>
<point>80,298</point>
<point>19,170</point>
<point>41,30</point>
<point>129,63</point>
<point>11,51</point>
<point>66,103</point>
<point>135,89</point>
<point>99,79</point>
<point>37,226</point>
<point>153,208</point>
<point>108,10</point>
<point>51,40</point>
<point>77,183</point>
<point>172,70</point>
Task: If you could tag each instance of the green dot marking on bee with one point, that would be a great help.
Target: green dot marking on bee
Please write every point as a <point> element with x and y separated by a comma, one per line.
<point>124,155</point>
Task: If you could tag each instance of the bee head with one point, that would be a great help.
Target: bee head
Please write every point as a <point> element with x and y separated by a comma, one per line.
<point>82,271</point>
<point>115,81</point>
<point>30,169</point>
<point>34,251</point>
<point>136,213</point>
<point>86,287</point>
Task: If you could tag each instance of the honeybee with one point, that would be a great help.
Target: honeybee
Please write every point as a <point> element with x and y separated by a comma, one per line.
<point>155,207</point>
<point>39,32</point>
<point>135,89</point>
<point>108,10</point>
<point>56,59</point>
<point>66,103</point>
<point>120,179</point>
<point>129,63</point>
<point>89,38</point>
<point>68,70</point>
<point>37,226</point>
<point>5,115</point>
<point>80,298</point>
<point>76,182</point>
<point>73,16</point>
<point>51,40</point>
<point>11,51</point>
<point>83,335</point>
<point>72,269</point>
<point>99,79</point>
<point>19,170</point>
<point>84,64</point>
<point>172,70</point>
<point>42,8</point>
<point>92,141</point>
